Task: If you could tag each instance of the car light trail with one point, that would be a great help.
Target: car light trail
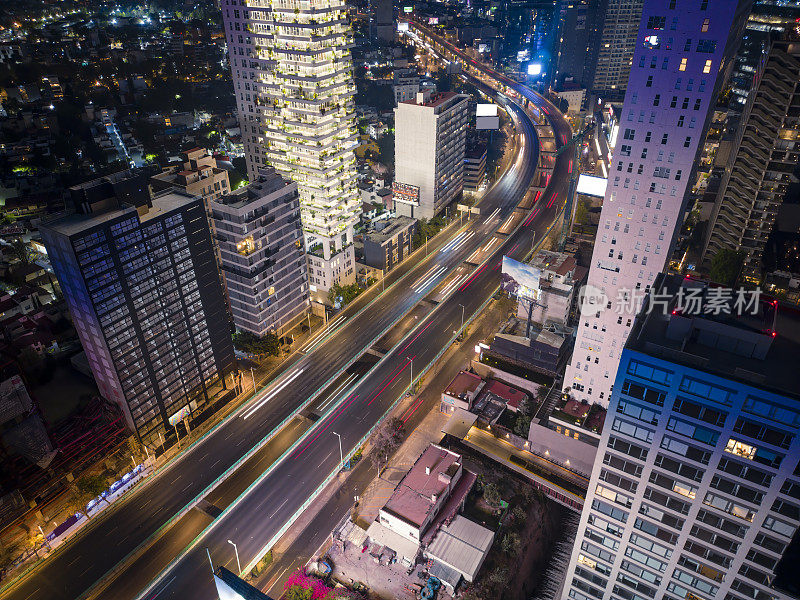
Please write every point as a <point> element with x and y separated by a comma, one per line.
<point>249,412</point>
<point>336,392</point>
<point>428,280</point>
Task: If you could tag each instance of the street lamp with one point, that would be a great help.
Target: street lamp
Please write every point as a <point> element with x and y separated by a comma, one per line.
<point>236,550</point>
<point>252,375</point>
<point>411,361</point>
<point>462,318</point>
<point>341,454</point>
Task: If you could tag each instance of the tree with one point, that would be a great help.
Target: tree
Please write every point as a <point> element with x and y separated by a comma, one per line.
<point>511,544</point>
<point>491,494</point>
<point>522,425</point>
<point>726,266</point>
<point>9,552</point>
<point>86,489</point>
<point>297,592</point>
<point>253,344</point>
<point>387,440</point>
<point>19,250</point>
<point>581,214</point>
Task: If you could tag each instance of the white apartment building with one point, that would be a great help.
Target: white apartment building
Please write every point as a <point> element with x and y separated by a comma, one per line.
<point>292,72</point>
<point>430,139</point>
<point>695,489</point>
<point>682,55</point>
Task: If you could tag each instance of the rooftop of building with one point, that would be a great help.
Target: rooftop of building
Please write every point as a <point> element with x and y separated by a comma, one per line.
<point>429,100</point>
<point>269,181</point>
<point>559,263</point>
<point>464,383</point>
<point>162,203</point>
<point>415,496</point>
<point>462,545</point>
<point>507,394</point>
<point>755,349</point>
<point>395,226</point>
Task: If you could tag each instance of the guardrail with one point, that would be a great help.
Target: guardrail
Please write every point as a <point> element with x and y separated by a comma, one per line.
<point>274,539</point>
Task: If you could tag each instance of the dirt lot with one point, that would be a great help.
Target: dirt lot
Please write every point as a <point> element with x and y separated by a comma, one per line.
<point>385,582</point>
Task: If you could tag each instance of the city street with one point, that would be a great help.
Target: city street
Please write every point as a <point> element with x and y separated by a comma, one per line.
<point>261,513</point>
<point>74,571</point>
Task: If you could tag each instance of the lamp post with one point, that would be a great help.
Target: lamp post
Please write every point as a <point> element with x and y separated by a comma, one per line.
<point>411,362</point>
<point>253,377</point>
<point>341,454</point>
<point>236,550</point>
<point>462,318</point>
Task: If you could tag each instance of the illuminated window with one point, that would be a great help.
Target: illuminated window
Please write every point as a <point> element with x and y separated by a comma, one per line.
<point>586,561</point>
<point>684,490</point>
<point>741,449</point>
<point>271,290</point>
<point>707,66</point>
<point>682,66</point>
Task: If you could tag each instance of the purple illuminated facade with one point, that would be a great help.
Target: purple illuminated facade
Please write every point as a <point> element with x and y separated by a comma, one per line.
<point>683,53</point>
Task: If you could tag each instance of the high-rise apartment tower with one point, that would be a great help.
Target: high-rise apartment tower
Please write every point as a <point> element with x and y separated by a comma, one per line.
<point>764,162</point>
<point>262,256</point>
<point>683,50</point>
<point>292,73</point>
<point>430,140</point>
<point>695,490</point>
<point>144,293</point>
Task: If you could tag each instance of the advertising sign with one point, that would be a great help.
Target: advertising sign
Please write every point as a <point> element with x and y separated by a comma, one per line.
<point>486,110</point>
<point>405,192</point>
<point>519,279</point>
<point>592,186</point>
<point>408,9</point>
<point>179,416</point>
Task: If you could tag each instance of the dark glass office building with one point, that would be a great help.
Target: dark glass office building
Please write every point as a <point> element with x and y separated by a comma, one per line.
<point>146,300</point>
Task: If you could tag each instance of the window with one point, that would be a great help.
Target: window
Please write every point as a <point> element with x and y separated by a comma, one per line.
<point>649,81</point>
<point>647,136</point>
<point>707,66</point>
<point>656,23</point>
<point>664,138</point>
<point>644,152</point>
<point>629,134</point>
<point>674,102</point>
<point>704,27</point>
<point>682,66</point>
<point>626,151</point>
<point>687,141</point>
<point>678,175</point>
<point>657,100</point>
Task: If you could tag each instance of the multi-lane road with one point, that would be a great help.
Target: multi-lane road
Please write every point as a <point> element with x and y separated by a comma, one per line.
<point>413,321</point>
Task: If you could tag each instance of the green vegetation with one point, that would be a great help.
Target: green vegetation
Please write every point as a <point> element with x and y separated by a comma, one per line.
<point>86,489</point>
<point>387,439</point>
<point>343,294</point>
<point>427,229</point>
<point>252,344</point>
<point>386,149</point>
<point>726,266</point>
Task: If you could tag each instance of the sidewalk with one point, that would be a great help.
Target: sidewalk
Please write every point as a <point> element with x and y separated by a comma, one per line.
<point>310,535</point>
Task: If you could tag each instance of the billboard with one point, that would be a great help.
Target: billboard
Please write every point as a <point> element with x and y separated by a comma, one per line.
<point>520,280</point>
<point>534,69</point>
<point>487,122</point>
<point>486,110</point>
<point>592,186</point>
<point>179,416</point>
<point>433,21</point>
<point>402,26</point>
<point>408,9</point>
